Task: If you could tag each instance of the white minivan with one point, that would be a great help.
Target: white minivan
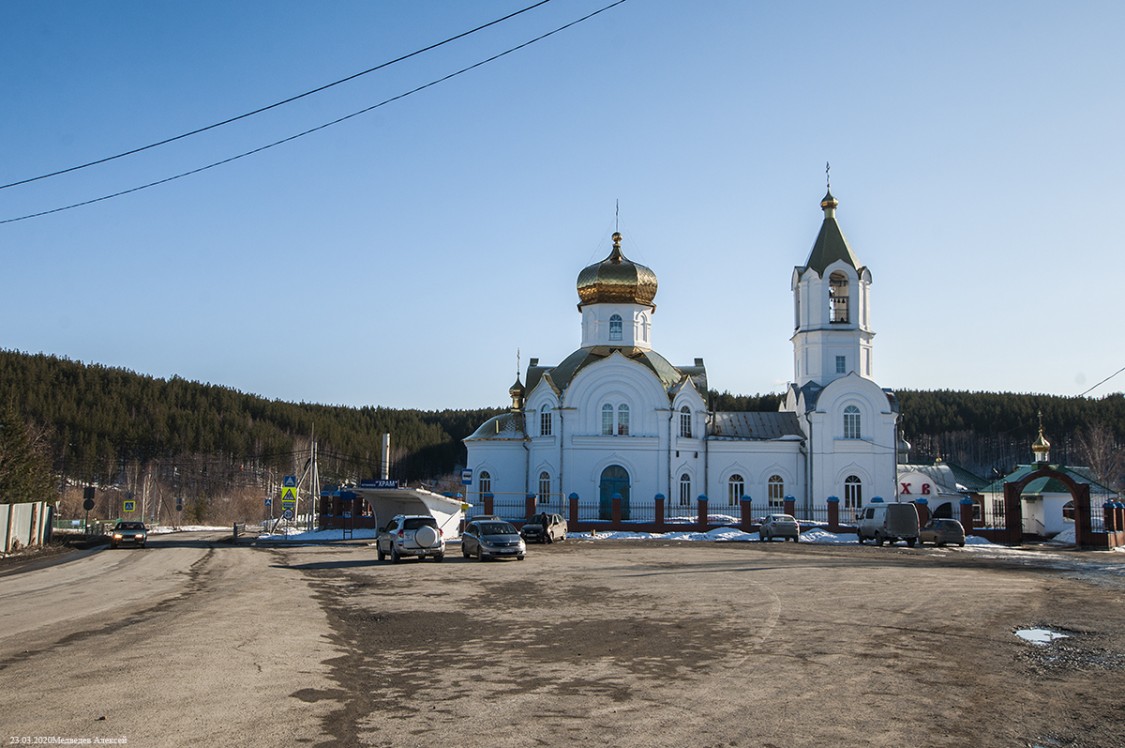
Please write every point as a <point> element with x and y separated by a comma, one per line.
<point>888,523</point>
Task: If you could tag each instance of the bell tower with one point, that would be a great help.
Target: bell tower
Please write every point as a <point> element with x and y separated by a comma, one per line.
<point>831,297</point>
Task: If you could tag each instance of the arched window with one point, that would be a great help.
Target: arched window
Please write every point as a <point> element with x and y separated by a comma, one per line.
<point>607,420</point>
<point>776,488</point>
<point>623,420</point>
<point>736,488</point>
<point>544,487</point>
<point>685,422</point>
<point>853,493</point>
<point>644,324</point>
<point>544,422</point>
<point>615,327</point>
<point>685,490</point>
<point>838,297</point>
<point>851,423</point>
<point>484,483</point>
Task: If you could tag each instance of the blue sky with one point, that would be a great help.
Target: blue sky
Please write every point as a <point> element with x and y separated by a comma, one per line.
<point>403,257</point>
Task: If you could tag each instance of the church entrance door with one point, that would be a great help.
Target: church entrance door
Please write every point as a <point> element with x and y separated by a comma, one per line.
<point>615,480</point>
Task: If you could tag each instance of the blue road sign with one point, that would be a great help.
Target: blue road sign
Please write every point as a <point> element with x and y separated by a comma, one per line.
<point>467,477</point>
<point>289,481</point>
<point>269,502</point>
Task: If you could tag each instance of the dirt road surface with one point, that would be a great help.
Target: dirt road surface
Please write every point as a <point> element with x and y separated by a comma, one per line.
<point>620,643</point>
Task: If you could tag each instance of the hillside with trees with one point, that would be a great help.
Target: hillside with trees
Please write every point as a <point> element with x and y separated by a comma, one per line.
<point>72,424</point>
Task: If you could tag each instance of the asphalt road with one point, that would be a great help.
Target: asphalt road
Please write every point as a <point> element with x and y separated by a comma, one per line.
<point>634,643</point>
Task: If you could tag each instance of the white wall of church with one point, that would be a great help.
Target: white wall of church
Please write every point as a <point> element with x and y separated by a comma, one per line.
<point>837,455</point>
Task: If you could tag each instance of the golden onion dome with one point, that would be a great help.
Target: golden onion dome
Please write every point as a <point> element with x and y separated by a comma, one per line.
<point>616,279</point>
<point>1041,447</point>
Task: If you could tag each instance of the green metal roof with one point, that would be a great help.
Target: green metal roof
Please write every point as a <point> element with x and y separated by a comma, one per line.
<point>1048,485</point>
<point>830,246</point>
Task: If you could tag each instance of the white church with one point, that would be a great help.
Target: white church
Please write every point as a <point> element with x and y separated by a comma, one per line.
<point>617,418</point>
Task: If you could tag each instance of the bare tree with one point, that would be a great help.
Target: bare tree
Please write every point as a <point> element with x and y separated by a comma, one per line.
<point>1098,448</point>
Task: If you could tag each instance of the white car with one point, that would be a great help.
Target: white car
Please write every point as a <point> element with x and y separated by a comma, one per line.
<point>410,535</point>
<point>779,526</point>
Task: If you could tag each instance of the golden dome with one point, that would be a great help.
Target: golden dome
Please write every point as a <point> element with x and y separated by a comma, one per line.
<point>616,279</point>
<point>1041,447</point>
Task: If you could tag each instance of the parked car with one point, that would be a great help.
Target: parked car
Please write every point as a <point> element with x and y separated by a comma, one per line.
<point>888,523</point>
<point>410,535</point>
<point>491,538</point>
<point>544,528</point>
<point>779,526</point>
<point>126,533</point>
<point>942,532</point>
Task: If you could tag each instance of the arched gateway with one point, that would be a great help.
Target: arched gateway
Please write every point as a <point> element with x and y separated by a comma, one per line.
<point>1013,506</point>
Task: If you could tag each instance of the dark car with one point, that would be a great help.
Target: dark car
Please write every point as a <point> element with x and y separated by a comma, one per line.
<point>487,539</point>
<point>128,533</point>
<point>942,532</point>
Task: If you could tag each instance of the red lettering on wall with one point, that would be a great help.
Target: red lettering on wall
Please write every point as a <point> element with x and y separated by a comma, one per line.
<point>925,488</point>
<point>905,489</point>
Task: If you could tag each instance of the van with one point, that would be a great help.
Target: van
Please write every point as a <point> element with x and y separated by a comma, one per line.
<point>888,523</point>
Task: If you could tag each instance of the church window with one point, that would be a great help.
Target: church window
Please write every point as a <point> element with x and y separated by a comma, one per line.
<point>841,364</point>
<point>685,422</point>
<point>736,488</point>
<point>851,423</point>
<point>838,297</point>
<point>644,327</point>
<point>544,487</point>
<point>545,422</point>
<point>607,420</point>
<point>853,493</point>
<point>615,327</point>
<point>484,483</point>
<point>776,488</point>
<point>623,420</point>
<point>685,490</point>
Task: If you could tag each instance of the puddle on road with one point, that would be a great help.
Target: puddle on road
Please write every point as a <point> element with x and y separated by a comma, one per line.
<point>1039,637</point>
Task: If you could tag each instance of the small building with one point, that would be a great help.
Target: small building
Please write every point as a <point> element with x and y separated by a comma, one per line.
<point>1046,502</point>
<point>943,486</point>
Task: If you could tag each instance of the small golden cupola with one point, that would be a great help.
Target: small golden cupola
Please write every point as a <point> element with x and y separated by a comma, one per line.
<point>1041,448</point>
<point>616,280</point>
<point>517,392</point>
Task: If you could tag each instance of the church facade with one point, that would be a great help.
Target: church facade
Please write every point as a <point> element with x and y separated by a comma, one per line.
<point>617,418</point>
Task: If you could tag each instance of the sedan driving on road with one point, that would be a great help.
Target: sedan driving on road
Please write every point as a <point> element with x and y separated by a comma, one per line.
<point>128,533</point>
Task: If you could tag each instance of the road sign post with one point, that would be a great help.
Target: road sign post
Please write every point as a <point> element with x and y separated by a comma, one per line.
<point>87,504</point>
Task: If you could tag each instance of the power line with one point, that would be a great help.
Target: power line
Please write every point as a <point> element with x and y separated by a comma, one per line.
<point>318,127</point>
<point>275,105</point>
<point>1099,384</point>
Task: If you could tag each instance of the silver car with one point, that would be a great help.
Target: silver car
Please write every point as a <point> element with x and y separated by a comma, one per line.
<point>491,538</point>
<point>779,526</point>
<point>942,531</point>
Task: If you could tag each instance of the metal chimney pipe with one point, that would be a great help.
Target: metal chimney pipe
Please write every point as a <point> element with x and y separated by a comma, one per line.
<point>386,456</point>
